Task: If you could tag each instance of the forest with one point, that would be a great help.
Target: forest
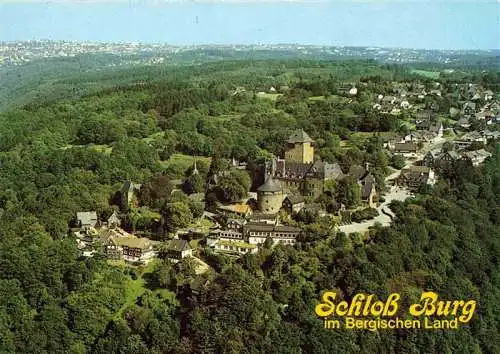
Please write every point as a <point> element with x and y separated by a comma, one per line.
<point>66,151</point>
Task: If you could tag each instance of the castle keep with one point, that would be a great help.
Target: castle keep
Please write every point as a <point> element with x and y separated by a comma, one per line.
<point>299,171</point>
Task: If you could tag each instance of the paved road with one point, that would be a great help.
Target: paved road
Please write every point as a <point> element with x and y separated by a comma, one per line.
<point>396,193</point>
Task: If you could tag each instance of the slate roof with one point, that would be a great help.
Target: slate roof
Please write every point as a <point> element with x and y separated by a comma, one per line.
<point>178,245</point>
<point>368,186</point>
<point>295,198</point>
<point>435,127</point>
<point>327,170</point>
<point>87,218</point>
<point>270,185</point>
<point>406,147</point>
<point>357,172</point>
<point>251,226</point>
<point>132,242</point>
<point>299,136</point>
<point>478,154</point>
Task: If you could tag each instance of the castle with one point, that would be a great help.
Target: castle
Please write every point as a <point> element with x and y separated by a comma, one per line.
<point>298,171</point>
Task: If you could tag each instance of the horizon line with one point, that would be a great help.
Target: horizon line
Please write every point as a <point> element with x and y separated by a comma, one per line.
<point>206,44</point>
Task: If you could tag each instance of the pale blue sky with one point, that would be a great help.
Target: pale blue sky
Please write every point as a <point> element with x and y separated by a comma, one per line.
<point>390,23</point>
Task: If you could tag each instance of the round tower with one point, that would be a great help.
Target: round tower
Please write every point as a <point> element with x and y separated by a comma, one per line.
<point>270,196</point>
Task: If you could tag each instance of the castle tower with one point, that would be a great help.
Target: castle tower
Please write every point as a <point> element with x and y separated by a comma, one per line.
<point>270,196</point>
<point>299,148</point>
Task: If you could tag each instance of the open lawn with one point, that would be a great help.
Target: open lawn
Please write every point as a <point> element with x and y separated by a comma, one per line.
<point>105,149</point>
<point>229,117</point>
<point>428,74</point>
<point>134,288</point>
<point>269,96</point>
<point>177,164</point>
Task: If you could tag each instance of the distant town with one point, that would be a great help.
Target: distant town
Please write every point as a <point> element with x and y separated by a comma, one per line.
<point>22,52</point>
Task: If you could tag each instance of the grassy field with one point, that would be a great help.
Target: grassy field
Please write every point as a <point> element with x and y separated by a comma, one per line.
<point>134,288</point>
<point>105,149</point>
<point>154,137</point>
<point>269,96</point>
<point>428,74</point>
<point>177,164</point>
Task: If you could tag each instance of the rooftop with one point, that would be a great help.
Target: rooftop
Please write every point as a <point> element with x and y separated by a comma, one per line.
<point>270,185</point>
<point>299,136</point>
<point>178,245</point>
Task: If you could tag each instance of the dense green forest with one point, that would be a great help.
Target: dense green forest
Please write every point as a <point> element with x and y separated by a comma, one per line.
<point>63,152</point>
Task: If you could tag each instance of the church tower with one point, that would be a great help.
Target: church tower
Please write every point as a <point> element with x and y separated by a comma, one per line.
<point>299,148</point>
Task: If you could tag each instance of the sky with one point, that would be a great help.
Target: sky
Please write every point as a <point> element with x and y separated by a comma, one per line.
<point>423,24</point>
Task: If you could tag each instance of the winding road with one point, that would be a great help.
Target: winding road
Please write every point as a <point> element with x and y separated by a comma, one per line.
<point>396,193</point>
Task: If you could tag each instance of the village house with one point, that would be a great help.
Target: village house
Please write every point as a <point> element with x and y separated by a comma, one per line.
<point>271,219</point>
<point>464,123</point>
<point>293,203</point>
<point>368,192</point>
<point>491,135</point>
<point>126,246</point>
<point>238,210</point>
<point>488,95</point>
<point>469,108</point>
<point>257,233</point>
<point>437,128</point>
<point>238,247</point>
<point>113,220</point>
<point>416,176</point>
<point>440,160</point>
<point>477,157</point>
<point>86,220</point>
<point>178,249</point>
<point>468,139</point>
<point>406,148</point>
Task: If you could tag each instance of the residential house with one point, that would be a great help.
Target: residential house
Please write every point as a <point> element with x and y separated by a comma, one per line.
<point>238,247</point>
<point>469,108</point>
<point>488,95</point>
<point>178,249</point>
<point>416,176</point>
<point>368,191</point>
<point>437,128</point>
<point>406,148</point>
<point>293,203</point>
<point>491,135</point>
<point>464,122</point>
<point>113,220</point>
<point>240,210</point>
<point>431,159</point>
<point>467,139</point>
<point>86,219</point>
<point>271,219</point>
<point>257,233</point>
<point>476,157</point>
<point>130,248</point>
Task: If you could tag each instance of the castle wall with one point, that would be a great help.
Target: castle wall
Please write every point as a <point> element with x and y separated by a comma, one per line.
<point>303,153</point>
<point>270,202</point>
